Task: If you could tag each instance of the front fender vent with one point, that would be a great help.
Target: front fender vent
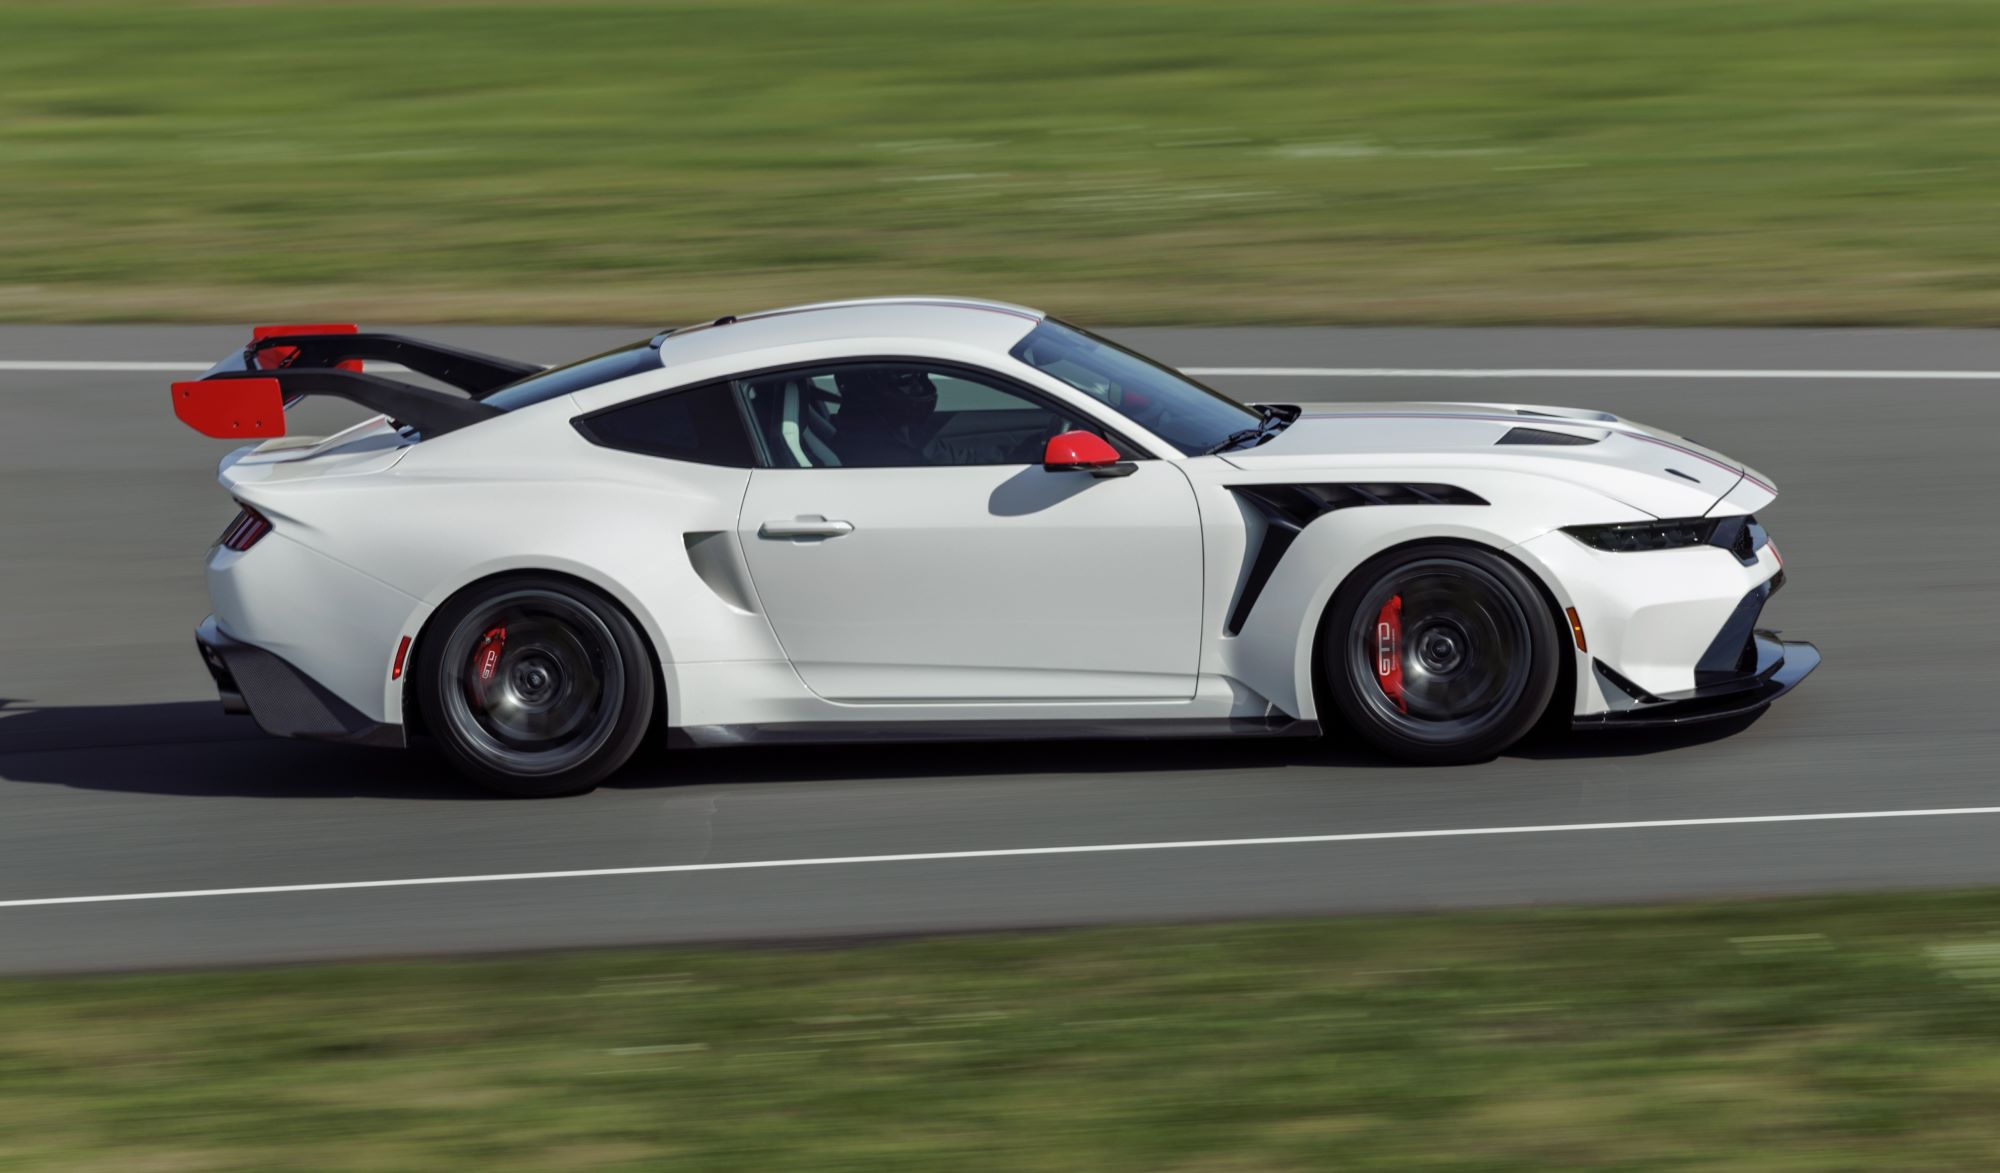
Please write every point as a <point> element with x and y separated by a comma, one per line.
<point>1290,508</point>
<point>1296,505</point>
<point>1545,437</point>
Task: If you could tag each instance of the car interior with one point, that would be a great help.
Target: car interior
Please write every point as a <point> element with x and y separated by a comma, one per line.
<point>896,415</point>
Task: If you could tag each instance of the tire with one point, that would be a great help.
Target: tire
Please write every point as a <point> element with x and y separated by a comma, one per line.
<point>535,686</point>
<point>1476,654</point>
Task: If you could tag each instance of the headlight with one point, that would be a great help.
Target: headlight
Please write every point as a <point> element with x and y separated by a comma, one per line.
<point>1740,535</point>
<point>1646,535</point>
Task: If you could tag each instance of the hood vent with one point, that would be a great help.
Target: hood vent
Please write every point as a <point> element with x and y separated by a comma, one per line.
<point>1544,436</point>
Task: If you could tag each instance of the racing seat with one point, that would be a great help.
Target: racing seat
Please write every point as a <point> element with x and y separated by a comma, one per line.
<point>789,413</point>
<point>804,426</point>
<point>879,407</point>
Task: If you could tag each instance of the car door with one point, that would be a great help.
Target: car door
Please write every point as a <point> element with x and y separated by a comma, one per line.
<point>908,546</point>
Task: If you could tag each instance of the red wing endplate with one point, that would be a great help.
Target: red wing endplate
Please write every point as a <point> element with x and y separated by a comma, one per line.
<point>229,409</point>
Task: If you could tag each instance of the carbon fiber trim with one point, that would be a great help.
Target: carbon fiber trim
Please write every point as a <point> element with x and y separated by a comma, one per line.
<point>467,370</point>
<point>1546,438</point>
<point>284,701</point>
<point>1733,655</point>
<point>844,732</point>
<point>1796,660</point>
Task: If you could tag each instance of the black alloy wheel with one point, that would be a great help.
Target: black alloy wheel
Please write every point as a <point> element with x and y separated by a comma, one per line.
<point>1440,654</point>
<point>535,686</point>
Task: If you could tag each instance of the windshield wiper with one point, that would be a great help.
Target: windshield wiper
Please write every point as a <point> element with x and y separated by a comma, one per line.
<point>1273,418</point>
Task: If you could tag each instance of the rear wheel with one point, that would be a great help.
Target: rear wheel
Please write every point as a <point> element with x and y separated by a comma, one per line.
<point>1440,654</point>
<point>536,686</point>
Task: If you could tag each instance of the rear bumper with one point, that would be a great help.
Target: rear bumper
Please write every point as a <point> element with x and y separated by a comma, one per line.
<point>284,701</point>
<point>1781,665</point>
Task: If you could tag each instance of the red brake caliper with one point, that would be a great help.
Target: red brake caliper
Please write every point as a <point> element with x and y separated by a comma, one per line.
<point>486,662</point>
<point>1389,650</point>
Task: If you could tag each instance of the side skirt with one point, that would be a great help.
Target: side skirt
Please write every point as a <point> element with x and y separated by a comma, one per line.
<point>867,733</point>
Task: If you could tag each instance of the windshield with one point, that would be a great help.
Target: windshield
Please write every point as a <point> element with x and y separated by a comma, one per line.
<point>589,372</point>
<point>1173,407</point>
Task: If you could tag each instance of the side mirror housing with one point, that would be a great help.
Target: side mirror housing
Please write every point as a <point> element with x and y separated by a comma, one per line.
<point>1085,452</point>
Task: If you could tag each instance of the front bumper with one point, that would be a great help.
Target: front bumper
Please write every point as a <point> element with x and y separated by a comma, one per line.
<point>284,701</point>
<point>1673,635</point>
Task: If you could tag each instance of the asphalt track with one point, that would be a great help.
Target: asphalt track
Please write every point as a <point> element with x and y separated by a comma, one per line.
<point>119,777</point>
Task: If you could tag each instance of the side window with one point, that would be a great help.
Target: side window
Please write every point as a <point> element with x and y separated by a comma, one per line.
<point>699,424</point>
<point>899,415</point>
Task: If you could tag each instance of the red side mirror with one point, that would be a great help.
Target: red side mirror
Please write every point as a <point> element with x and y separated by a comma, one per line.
<point>1072,451</point>
<point>229,409</point>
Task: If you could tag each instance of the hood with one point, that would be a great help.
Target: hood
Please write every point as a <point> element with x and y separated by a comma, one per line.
<point>1651,470</point>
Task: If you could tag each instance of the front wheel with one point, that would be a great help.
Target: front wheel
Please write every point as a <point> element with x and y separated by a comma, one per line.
<point>535,686</point>
<point>1440,654</point>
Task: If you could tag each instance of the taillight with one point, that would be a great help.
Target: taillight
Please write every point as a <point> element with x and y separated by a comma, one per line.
<point>249,527</point>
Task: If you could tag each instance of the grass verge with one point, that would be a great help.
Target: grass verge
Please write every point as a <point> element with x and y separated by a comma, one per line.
<point>1832,1034</point>
<point>1787,161</point>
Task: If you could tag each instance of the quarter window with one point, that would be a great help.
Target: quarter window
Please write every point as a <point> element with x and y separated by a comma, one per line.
<point>698,424</point>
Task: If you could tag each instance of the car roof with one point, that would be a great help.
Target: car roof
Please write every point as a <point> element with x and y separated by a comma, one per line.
<point>965,321</point>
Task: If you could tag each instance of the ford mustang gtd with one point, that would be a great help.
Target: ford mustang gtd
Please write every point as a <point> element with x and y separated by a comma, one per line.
<point>919,519</point>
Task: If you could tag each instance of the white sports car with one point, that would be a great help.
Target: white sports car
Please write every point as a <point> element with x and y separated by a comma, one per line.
<point>932,518</point>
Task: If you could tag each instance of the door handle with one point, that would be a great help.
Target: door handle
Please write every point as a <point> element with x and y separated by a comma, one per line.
<point>809,526</point>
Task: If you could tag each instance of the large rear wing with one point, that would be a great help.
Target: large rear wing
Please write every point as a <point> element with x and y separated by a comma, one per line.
<point>245,394</point>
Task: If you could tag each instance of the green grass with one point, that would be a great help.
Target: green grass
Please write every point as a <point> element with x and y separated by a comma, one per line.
<point>1853,1034</point>
<point>1782,161</point>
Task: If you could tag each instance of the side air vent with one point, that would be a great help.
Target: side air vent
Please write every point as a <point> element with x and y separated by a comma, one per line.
<point>1299,504</point>
<point>720,567</point>
<point>1544,436</point>
<point>1290,508</point>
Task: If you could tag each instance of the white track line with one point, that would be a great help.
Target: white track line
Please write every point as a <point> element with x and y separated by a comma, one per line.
<point>1569,373</point>
<point>100,367</point>
<point>1001,853</point>
<point>106,367</point>
<point>112,368</point>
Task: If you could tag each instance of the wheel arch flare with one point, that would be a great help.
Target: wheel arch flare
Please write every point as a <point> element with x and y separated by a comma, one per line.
<point>1274,651</point>
<point>421,628</point>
